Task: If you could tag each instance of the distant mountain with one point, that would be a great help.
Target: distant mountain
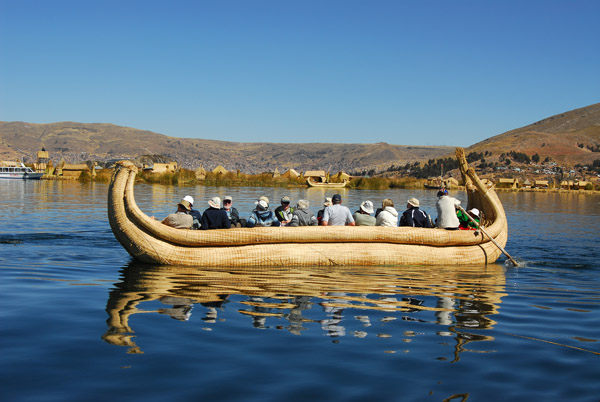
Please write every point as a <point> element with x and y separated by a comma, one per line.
<point>569,138</point>
<point>76,142</point>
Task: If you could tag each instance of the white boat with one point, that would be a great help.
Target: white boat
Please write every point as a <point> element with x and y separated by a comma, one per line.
<point>19,172</point>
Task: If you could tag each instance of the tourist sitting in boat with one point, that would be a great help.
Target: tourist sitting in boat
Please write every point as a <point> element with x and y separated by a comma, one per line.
<point>465,222</point>
<point>388,215</point>
<point>363,217</point>
<point>196,215</point>
<point>337,214</point>
<point>446,210</point>
<point>232,213</point>
<point>302,216</point>
<point>415,217</point>
<point>322,211</point>
<point>180,219</point>
<point>214,217</point>
<point>262,215</point>
<point>284,211</point>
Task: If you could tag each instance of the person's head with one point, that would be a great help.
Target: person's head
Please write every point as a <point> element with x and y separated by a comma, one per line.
<point>412,203</point>
<point>336,199</point>
<point>327,202</point>
<point>227,201</point>
<point>387,203</point>
<point>215,202</point>
<point>184,206</point>
<point>474,212</point>
<point>262,205</point>
<point>366,207</point>
<point>302,204</point>
<point>442,192</point>
<point>285,202</point>
<point>189,199</point>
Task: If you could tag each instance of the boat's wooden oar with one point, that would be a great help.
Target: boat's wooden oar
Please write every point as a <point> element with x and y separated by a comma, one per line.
<point>479,227</point>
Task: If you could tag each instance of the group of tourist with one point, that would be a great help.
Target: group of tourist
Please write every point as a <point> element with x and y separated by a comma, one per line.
<point>450,215</point>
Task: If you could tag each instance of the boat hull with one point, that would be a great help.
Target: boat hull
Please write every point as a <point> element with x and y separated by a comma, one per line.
<point>150,241</point>
<point>21,176</point>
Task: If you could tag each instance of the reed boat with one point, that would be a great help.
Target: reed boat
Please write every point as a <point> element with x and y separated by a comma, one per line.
<point>313,183</point>
<point>150,241</point>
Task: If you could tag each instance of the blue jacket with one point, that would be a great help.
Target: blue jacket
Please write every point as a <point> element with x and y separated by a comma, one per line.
<point>262,218</point>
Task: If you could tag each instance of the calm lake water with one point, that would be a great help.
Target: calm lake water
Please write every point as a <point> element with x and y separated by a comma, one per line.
<point>80,321</point>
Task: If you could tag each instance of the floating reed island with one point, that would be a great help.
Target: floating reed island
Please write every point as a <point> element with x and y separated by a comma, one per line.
<point>150,241</point>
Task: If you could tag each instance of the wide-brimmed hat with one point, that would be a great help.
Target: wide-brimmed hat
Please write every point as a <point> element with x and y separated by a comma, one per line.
<point>414,202</point>
<point>474,211</point>
<point>302,204</point>
<point>367,206</point>
<point>189,199</point>
<point>215,202</point>
<point>327,202</point>
<point>262,205</point>
<point>263,198</point>
<point>186,204</point>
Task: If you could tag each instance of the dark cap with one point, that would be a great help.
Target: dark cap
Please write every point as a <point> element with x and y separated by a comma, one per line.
<point>336,199</point>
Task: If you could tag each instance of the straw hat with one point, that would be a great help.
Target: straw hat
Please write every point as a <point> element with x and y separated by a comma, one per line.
<point>302,204</point>
<point>215,202</point>
<point>186,204</point>
<point>263,198</point>
<point>414,202</point>
<point>367,206</point>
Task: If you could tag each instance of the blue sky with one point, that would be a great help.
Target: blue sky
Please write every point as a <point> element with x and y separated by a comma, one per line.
<point>402,72</point>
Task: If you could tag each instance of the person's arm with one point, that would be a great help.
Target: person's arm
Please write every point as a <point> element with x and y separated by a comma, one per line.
<point>225,220</point>
<point>349,218</point>
<point>325,220</point>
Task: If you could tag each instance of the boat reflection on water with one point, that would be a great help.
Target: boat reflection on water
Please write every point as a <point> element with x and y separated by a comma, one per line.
<point>460,300</point>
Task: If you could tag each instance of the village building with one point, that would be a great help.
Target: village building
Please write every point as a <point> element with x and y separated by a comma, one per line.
<point>567,184</point>
<point>581,184</point>
<point>220,170</point>
<point>200,173</point>
<point>541,184</point>
<point>504,182</point>
<point>450,182</point>
<point>290,174</point>
<point>170,167</point>
<point>73,170</point>
<point>276,174</point>
<point>42,161</point>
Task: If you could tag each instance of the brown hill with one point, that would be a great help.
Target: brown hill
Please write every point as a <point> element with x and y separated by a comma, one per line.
<point>568,138</point>
<point>76,142</point>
